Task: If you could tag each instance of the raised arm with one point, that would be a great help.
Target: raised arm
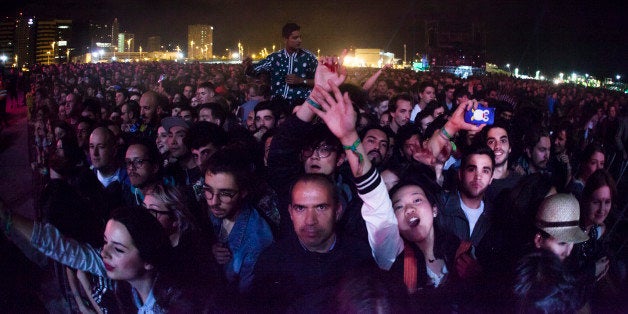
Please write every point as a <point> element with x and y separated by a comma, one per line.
<point>371,81</point>
<point>323,75</point>
<point>47,239</point>
<point>381,223</point>
<point>438,148</point>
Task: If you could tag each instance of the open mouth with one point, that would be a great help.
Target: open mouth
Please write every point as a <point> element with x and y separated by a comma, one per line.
<point>413,222</point>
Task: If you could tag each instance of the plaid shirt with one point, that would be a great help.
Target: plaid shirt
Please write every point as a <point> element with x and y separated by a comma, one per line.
<point>279,64</point>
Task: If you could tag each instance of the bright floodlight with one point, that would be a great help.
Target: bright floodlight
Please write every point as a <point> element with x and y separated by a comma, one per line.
<point>235,55</point>
<point>3,58</point>
<point>618,77</point>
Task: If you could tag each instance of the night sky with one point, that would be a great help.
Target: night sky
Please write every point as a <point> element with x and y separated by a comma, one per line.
<point>586,37</point>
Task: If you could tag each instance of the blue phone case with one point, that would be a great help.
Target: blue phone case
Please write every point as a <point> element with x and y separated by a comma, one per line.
<point>481,115</point>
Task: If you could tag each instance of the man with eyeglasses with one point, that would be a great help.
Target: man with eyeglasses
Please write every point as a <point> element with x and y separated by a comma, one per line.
<point>241,231</point>
<point>205,139</point>
<point>143,162</point>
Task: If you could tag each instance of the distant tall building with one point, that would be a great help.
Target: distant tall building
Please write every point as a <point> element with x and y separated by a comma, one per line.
<point>46,36</point>
<point>7,35</point>
<point>200,41</point>
<point>154,43</point>
<point>65,40</point>
<point>123,42</point>
<point>115,29</point>
<point>100,35</point>
<point>25,40</point>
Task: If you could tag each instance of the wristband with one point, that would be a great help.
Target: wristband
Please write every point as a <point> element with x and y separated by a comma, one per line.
<point>314,104</point>
<point>354,149</point>
<point>444,132</point>
<point>445,135</point>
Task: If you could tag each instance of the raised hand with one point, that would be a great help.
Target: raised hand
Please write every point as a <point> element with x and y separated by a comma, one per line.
<point>457,123</point>
<point>330,69</point>
<point>337,111</point>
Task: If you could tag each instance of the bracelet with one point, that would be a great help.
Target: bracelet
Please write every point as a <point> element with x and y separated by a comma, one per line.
<point>354,149</point>
<point>444,132</point>
<point>313,104</point>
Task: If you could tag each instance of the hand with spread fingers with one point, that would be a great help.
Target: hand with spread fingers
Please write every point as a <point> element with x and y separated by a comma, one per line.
<point>337,111</point>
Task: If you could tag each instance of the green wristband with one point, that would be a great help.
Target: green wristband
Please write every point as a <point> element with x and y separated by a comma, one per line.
<point>354,149</point>
<point>444,132</point>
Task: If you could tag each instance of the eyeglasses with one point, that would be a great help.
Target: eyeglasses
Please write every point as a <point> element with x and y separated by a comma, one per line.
<point>156,212</point>
<point>225,196</point>
<point>135,163</point>
<point>322,151</point>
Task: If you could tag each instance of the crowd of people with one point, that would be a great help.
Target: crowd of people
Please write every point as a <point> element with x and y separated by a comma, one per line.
<point>298,185</point>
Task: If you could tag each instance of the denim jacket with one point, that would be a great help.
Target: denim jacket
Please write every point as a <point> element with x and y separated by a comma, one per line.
<point>248,238</point>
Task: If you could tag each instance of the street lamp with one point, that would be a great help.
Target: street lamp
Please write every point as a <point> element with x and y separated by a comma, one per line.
<point>67,55</point>
<point>53,50</point>
<point>191,49</point>
<point>3,58</point>
<point>140,53</point>
<point>129,44</point>
<point>618,77</point>
<point>48,53</point>
<point>227,50</point>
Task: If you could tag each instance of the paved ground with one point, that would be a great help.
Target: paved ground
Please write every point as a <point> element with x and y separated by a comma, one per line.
<point>16,184</point>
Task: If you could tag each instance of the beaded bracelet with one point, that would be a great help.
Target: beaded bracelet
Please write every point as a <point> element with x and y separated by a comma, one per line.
<point>354,149</point>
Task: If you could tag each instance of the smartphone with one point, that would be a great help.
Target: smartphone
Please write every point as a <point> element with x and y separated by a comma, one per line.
<point>481,115</point>
<point>161,78</point>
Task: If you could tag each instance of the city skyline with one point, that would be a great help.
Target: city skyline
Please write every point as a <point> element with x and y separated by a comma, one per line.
<point>556,36</point>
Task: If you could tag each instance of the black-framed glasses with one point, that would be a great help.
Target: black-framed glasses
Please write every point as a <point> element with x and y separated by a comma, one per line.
<point>322,151</point>
<point>136,163</point>
<point>157,212</point>
<point>225,196</point>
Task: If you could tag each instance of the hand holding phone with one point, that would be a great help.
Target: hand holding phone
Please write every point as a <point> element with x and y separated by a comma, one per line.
<point>481,115</point>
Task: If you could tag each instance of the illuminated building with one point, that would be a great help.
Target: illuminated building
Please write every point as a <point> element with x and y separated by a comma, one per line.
<point>124,45</point>
<point>115,30</point>
<point>200,41</point>
<point>7,32</point>
<point>25,40</point>
<point>46,35</point>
